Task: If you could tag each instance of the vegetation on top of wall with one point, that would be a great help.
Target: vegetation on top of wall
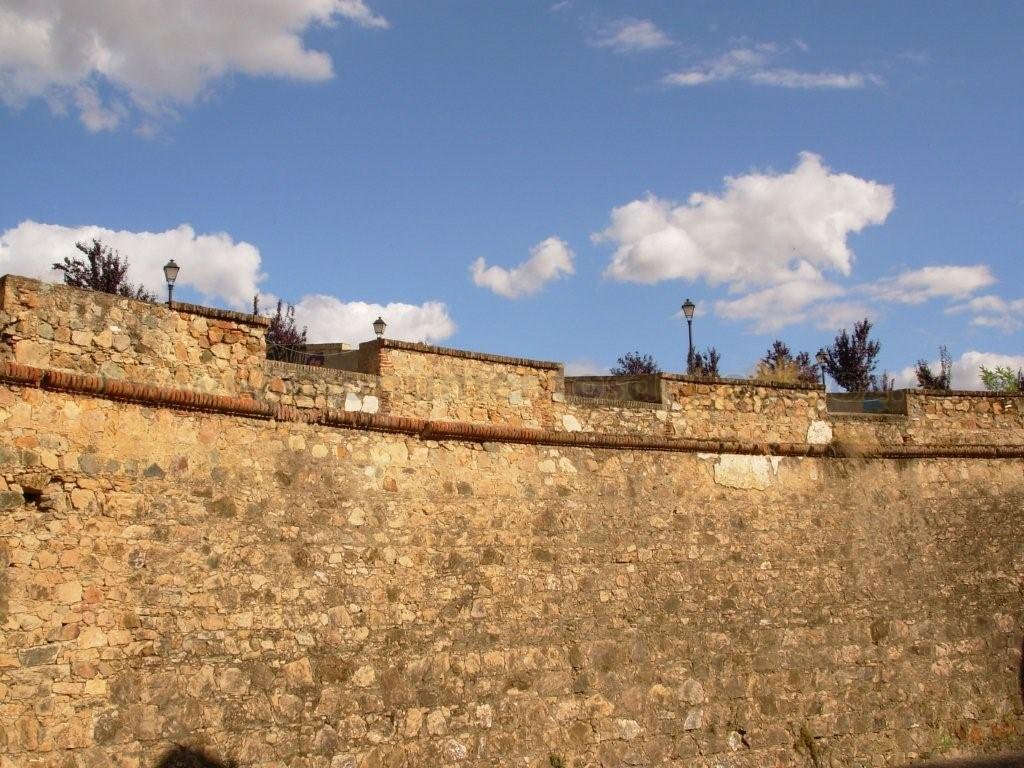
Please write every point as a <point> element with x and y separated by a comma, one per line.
<point>284,338</point>
<point>851,360</point>
<point>100,268</point>
<point>780,365</point>
<point>635,364</point>
<point>705,365</point>
<point>1002,379</point>
<point>941,381</point>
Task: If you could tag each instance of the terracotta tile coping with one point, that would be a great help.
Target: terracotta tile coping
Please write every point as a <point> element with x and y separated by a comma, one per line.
<point>427,429</point>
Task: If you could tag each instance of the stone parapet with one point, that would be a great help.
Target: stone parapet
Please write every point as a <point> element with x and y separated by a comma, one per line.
<point>62,328</point>
<point>214,351</point>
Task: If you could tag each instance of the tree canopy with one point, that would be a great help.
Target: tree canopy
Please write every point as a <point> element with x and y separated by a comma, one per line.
<point>100,268</point>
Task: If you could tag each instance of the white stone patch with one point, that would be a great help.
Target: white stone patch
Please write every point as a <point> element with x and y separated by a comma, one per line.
<point>819,433</point>
<point>370,404</point>
<point>746,472</point>
<point>352,402</point>
<point>571,423</point>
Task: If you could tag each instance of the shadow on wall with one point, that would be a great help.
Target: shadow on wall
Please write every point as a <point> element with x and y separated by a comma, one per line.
<point>186,757</point>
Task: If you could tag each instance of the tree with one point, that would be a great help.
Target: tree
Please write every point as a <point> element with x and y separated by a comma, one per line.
<point>705,365</point>
<point>883,383</point>
<point>780,365</point>
<point>851,359</point>
<point>284,339</point>
<point>1002,379</point>
<point>635,364</point>
<point>102,269</point>
<point>927,379</point>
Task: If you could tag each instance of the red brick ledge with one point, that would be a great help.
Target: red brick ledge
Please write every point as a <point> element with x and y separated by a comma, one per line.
<point>426,429</point>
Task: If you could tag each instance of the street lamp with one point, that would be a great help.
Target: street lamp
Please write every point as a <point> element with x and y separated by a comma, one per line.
<point>378,327</point>
<point>170,274</point>
<point>688,309</point>
<point>822,358</point>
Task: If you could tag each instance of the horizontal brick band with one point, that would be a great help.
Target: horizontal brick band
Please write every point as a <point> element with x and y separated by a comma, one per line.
<point>427,429</point>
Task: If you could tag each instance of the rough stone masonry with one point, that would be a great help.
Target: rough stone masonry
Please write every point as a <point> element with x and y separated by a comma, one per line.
<point>444,560</point>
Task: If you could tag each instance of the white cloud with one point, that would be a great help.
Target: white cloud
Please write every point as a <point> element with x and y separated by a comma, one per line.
<point>214,265</point>
<point>993,312</point>
<point>218,268</point>
<point>330,319</point>
<point>966,369</point>
<point>764,229</point>
<point>585,367</point>
<point>833,315</point>
<point>780,305</point>
<point>755,64</point>
<point>156,54</point>
<point>549,260</point>
<point>919,285</point>
<point>631,36</point>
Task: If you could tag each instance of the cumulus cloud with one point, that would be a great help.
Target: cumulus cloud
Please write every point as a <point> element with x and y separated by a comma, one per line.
<point>585,367</point>
<point>330,319</point>
<point>106,57</point>
<point>219,269</point>
<point>549,260</point>
<point>788,302</point>
<point>755,64</point>
<point>966,369</point>
<point>764,229</point>
<point>919,285</point>
<point>993,312</point>
<point>214,265</point>
<point>631,36</point>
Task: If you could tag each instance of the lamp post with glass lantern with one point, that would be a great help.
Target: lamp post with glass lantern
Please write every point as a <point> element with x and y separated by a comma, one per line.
<point>688,310</point>
<point>378,327</point>
<point>822,358</point>
<point>170,275</point>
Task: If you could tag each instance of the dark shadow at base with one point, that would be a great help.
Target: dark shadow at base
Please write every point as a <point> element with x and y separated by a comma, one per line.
<point>1015,760</point>
<point>188,757</point>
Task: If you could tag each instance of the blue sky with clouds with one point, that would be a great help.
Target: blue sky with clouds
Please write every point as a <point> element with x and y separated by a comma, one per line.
<point>541,179</point>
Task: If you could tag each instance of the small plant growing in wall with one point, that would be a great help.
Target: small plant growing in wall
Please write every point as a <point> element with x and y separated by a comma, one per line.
<point>556,761</point>
<point>100,268</point>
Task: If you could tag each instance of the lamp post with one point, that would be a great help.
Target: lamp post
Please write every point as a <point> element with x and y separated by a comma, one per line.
<point>688,309</point>
<point>378,327</point>
<point>170,275</point>
<point>822,358</point>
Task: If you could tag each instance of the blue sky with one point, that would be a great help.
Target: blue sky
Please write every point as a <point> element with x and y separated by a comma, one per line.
<point>359,157</point>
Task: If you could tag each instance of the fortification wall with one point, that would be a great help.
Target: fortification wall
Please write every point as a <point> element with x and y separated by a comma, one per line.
<point>292,582</point>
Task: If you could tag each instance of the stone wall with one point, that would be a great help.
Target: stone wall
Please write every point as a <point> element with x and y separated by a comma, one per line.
<point>472,569</point>
<point>441,383</point>
<point>744,409</point>
<point>965,417</point>
<point>56,327</point>
<point>289,594</point>
<point>304,386</point>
